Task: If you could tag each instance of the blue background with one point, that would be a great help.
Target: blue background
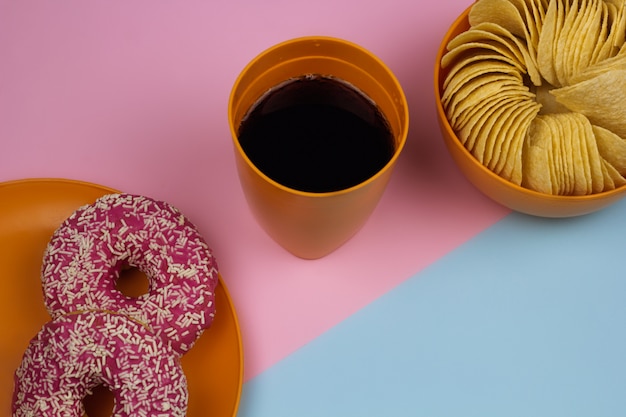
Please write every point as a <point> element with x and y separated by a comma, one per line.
<point>526,319</point>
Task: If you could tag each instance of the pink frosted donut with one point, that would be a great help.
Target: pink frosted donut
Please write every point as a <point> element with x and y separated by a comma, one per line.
<point>75,353</point>
<point>87,252</point>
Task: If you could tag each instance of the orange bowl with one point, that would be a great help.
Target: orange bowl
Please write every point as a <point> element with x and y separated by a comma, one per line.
<point>492,185</point>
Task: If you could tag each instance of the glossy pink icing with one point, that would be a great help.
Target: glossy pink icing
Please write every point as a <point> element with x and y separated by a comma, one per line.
<point>74,353</point>
<point>87,252</point>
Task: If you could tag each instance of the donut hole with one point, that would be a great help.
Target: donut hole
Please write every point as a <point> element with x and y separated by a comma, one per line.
<point>99,403</point>
<point>132,282</point>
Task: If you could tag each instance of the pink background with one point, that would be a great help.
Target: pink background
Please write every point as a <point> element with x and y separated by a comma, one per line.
<point>133,95</point>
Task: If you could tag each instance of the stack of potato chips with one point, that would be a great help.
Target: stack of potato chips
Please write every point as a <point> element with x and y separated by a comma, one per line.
<point>536,91</point>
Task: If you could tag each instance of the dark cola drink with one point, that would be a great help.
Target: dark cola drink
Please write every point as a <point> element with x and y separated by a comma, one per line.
<point>316,134</point>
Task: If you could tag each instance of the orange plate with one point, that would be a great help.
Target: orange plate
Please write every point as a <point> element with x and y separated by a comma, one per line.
<point>30,211</point>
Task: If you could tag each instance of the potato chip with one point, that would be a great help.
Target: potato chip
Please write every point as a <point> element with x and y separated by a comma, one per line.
<point>476,70</point>
<point>482,47</point>
<point>602,34</point>
<point>481,100</point>
<point>615,63</point>
<point>587,162</point>
<point>585,39</point>
<point>609,184</point>
<point>564,143</point>
<point>505,14</point>
<point>529,57</point>
<point>519,19</point>
<point>582,162</point>
<point>582,176</point>
<point>561,162</point>
<point>620,26</point>
<point>478,38</point>
<point>618,179</point>
<point>622,49</point>
<point>612,178</point>
<point>537,157</point>
<point>472,94</point>
<point>601,99</point>
<point>605,26</point>
<point>489,33</point>
<point>509,154</point>
<point>561,157</point>
<point>476,91</point>
<point>594,159</point>
<point>491,62</point>
<point>500,12</point>
<point>581,135</point>
<point>533,12</point>
<point>577,50</point>
<point>562,28</point>
<point>615,37</point>
<point>545,49</point>
<point>502,130</point>
<point>516,172</point>
<point>569,39</point>
<point>490,128</point>
<point>611,147</point>
<point>470,114</point>
<point>561,52</point>
<point>506,155</point>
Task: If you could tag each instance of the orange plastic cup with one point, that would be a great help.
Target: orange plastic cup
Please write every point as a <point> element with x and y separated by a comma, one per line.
<point>307,224</point>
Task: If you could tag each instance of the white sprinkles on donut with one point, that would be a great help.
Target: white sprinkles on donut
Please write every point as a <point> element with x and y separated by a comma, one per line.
<point>87,253</point>
<point>74,353</point>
